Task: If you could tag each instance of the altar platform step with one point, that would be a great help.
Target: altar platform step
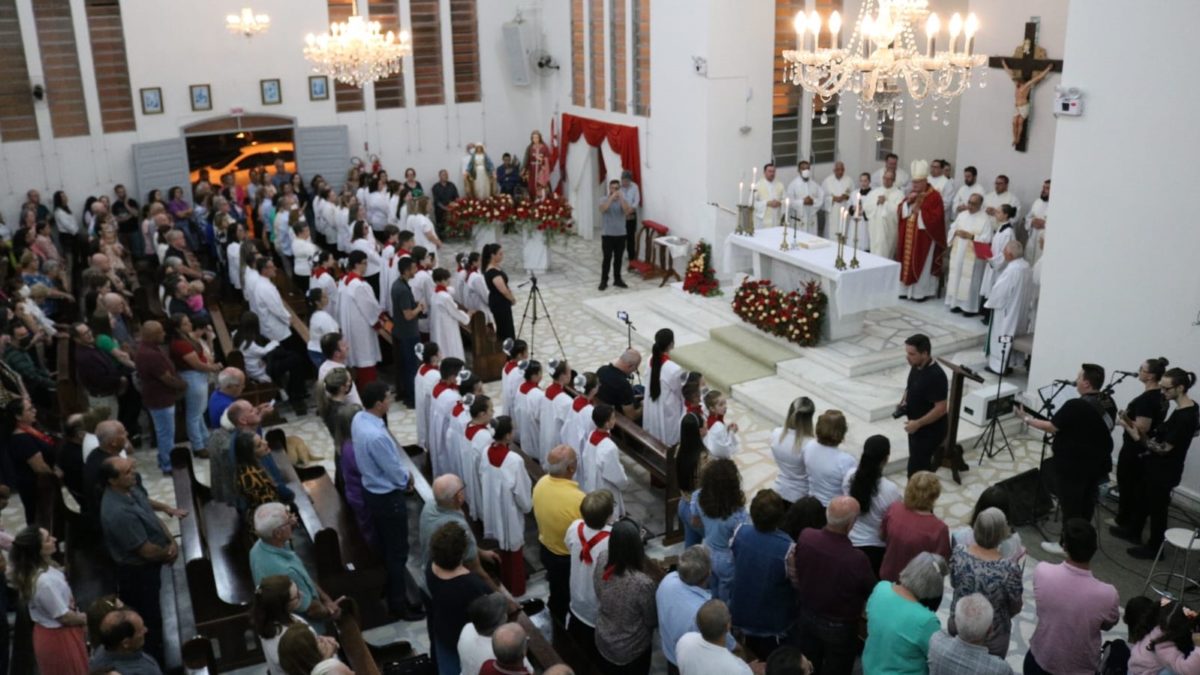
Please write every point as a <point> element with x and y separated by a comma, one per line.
<point>646,313</point>
<point>722,366</point>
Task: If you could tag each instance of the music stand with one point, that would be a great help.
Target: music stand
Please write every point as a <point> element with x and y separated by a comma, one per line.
<point>988,439</point>
<point>951,452</point>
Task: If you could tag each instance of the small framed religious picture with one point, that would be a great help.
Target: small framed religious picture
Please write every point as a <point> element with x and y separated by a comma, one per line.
<point>201,97</point>
<point>152,103</point>
<point>272,94</point>
<point>318,88</point>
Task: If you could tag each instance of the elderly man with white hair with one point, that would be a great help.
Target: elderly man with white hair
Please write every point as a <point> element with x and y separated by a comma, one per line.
<point>1009,301</point>
<point>679,598</point>
<point>485,615</point>
<point>967,652</point>
<point>509,643</point>
<point>272,555</point>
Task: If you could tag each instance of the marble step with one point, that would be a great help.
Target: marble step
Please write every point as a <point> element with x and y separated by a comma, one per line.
<point>646,318</point>
<point>871,397</point>
<point>753,343</point>
<point>723,367</point>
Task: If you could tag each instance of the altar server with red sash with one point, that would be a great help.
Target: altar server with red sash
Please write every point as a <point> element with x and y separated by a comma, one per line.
<point>445,396</point>
<point>456,425</point>
<point>358,313</point>
<point>513,374</point>
<point>478,437</point>
<point>528,409</point>
<point>586,539</point>
<point>603,459</point>
<point>555,407</point>
<point>507,497</point>
<point>428,375</point>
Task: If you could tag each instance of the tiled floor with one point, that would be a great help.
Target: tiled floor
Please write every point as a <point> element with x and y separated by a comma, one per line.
<point>589,342</point>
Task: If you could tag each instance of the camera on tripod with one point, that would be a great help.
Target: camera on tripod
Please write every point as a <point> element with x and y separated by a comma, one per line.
<point>623,315</point>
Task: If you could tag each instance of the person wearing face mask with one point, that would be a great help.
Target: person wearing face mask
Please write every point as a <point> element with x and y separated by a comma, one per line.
<point>806,198</point>
<point>445,317</point>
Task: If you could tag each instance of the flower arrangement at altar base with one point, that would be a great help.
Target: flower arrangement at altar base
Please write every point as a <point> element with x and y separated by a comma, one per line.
<point>551,216</point>
<point>700,278</point>
<point>794,316</point>
<point>468,213</point>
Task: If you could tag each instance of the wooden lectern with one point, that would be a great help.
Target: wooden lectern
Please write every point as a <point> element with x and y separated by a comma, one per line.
<point>486,357</point>
<point>950,453</point>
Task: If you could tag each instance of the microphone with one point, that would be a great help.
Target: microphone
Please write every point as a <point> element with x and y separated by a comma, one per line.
<point>1066,382</point>
<point>1126,373</point>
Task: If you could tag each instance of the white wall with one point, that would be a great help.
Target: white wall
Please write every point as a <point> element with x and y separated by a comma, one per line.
<point>1120,281</point>
<point>199,50</point>
<point>986,141</point>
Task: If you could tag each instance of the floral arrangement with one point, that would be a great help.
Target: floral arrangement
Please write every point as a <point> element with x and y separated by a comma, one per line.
<point>795,316</point>
<point>468,213</point>
<point>551,215</point>
<point>701,279</point>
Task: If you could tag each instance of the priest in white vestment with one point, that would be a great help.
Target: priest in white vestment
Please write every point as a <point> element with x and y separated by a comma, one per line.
<point>1035,223</point>
<point>768,199</point>
<point>1009,303</point>
<point>900,178</point>
<point>836,188</point>
<point>806,198</point>
<point>358,312</point>
<point>969,187</point>
<point>966,269</point>
<point>1001,195</point>
<point>944,184</point>
<point>883,217</point>
<point>1001,235</point>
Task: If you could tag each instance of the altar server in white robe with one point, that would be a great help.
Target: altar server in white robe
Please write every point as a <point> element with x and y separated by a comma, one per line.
<point>459,284</point>
<point>528,409</point>
<point>603,459</point>
<point>358,312</point>
<point>388,272</point>
<point>422,283</point>
<point>428,375</point>
<point>1001,195</point>
<point>969,187</point>
<point>944,184</point>
<point>1035,291</point>
<point>579,424</point>
<point>1002,234</point>
<point>460,417</point>
<point>663,405</point>
<point>966,269</point>
<point>768,198</point>
<point>364,240</point>
<point>836,188</point>
<point>806,198</point>
<point>1009,303</point>
<point>424,233</point>
<point>507,498</point>
<point>323,279</point>
<point>892,163</point>
<point>858,207</point>
<point>343,217</point>
<point>1035,223</point>
<point>513,374</point>
<point>478,437</point>
<point>721,438</point>
<point>555,407</point>
<point>883,219</point>
<point>445,396</point>
<point>445,317</point>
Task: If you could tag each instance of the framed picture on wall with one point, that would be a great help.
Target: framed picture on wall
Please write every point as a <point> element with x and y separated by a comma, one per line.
<point>272,94</point>
<point>201,97</point>
<point>152,103</point>
<point>318,88</point>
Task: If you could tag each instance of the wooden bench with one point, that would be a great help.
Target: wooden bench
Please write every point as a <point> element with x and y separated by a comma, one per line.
<point>487,359</point>
<point>643,261</point>
<point>71,397</point>
<point>214,549</point>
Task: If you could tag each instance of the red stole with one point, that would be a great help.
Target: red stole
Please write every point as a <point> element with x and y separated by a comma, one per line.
<point>585,553</point>
<point>496,454</point>
<point>425,368</point>
<point>508,367</point>
<point>553,390</point>
<point>664,358</point>
<point>579,403</point>
<point>597,437</point>
<point>440,387</point>
<point>38,434</point>
<point>458,408</point>
<point>914,247</point>
<point>439,288</point>
<point>713,419</point>
<point>473,429</point>
<point>350,277</point>
<point>696,410</point>
<point>527,387</point>
<point>318,272</point>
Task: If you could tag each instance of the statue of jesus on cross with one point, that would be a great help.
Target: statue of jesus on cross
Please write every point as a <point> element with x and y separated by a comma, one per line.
<point>1023,91</point>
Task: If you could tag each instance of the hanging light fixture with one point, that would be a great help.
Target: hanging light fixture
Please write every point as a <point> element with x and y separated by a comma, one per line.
<point>247,23</point>
<point>357,51</point>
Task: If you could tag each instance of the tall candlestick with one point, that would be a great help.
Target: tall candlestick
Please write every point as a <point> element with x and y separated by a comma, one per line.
<point>787,211</point>
<point>741,185</point>
<point>753,178</point>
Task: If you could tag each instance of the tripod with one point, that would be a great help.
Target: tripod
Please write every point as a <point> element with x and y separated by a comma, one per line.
<point>624,316</point>
<point>533,301</point>
<point>988,439</point>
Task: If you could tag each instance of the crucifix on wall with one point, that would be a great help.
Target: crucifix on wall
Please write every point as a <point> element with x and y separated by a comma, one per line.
<point>1027,67</point>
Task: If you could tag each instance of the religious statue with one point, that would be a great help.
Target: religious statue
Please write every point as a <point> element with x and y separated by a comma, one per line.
<point>481,175</point>
<point>1023,91</point>
<point>536,167</point>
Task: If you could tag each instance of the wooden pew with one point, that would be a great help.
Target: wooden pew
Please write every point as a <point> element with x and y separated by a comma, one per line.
<point>255,392</point>
<point>214,548</point>
<point>70,395</point>
<point>487,359</point>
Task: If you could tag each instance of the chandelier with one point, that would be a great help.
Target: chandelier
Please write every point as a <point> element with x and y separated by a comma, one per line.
<point>247,23</point>
<point>357,52</point>
<point>883,63</point>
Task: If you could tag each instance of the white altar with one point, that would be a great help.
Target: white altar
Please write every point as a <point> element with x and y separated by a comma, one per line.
<point>852,292</point>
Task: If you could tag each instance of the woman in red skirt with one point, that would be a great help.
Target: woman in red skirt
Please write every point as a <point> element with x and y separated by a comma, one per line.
<point>58,626</point>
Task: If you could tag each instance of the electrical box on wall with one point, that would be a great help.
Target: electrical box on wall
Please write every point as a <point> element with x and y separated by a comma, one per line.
<point>1068,102</point>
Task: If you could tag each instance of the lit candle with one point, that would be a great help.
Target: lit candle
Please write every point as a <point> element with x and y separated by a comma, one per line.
<point>956,25</point>
<point>835,30</point>
<point>932,26</point>
<point>969,30</point>
<point>800,23</point>
<point>753,179</point>
<point>787,210</point>
<point>814,27</point>
<point>741,185</point>
<point>868,33</point>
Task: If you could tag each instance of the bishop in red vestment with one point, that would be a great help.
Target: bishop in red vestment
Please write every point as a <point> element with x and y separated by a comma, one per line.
<point>922,240</point>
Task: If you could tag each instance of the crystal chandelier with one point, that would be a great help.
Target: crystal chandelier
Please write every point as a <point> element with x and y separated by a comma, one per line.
<point>883,63</point>
<point>247,23</point>
<point>357,52</point>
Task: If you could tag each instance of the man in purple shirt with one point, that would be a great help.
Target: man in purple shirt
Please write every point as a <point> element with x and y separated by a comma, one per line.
<point>833,581</point>
<point>1073,607</point>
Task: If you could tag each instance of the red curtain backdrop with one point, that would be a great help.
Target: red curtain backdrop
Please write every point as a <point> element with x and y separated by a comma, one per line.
<point>621,138</point>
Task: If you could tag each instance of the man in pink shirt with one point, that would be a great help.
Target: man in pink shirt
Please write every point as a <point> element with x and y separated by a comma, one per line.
<point>1073,607</point>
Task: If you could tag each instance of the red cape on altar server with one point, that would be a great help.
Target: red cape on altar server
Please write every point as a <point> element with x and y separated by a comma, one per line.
<point>914,245</point>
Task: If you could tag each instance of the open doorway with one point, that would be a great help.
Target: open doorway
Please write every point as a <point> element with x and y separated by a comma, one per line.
<point>239,152</point>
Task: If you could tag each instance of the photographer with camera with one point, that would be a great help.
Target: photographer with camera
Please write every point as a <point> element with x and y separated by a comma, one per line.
<point>615,386</point>
<point>924,404</point>
<point>613,209</point>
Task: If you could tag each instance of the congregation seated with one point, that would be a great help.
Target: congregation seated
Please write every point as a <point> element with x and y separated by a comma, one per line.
<point>301,651</point>
<point>276,603</point>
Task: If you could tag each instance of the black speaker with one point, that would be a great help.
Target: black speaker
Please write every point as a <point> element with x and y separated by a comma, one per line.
<point>1029,497</point>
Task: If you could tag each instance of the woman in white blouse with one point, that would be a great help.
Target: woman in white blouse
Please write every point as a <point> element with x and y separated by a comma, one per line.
<point>320,323</point>
<point>276,603</point>
<point>787,444</point>
<point>363,240</point>
<point>58,626</point>
<point>825,463</point>
<point>875,494</point>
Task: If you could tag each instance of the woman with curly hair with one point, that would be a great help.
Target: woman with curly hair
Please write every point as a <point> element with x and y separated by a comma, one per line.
<point>58,625</point>
<point>722,507</point>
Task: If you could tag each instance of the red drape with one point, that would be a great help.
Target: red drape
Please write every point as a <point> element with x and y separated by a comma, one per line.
<point>621,138</point>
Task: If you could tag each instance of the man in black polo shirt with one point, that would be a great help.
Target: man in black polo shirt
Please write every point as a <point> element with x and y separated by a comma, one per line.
<point>405,334</point>
<point>924,404</point>
<point>615,387</point>
<point>1082,446</point>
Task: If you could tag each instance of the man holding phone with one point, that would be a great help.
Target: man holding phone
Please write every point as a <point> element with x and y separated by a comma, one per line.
<point>613,208</point>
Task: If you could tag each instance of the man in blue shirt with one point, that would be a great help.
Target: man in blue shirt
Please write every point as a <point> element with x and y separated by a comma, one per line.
<point>508,175</point>
<point>680,596</point>
<point>612,234</point>
<point>385,483</point>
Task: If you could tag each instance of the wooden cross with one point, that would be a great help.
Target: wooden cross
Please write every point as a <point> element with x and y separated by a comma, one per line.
<point>1027,63</point>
